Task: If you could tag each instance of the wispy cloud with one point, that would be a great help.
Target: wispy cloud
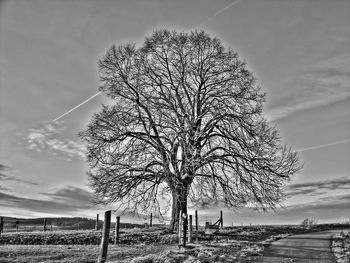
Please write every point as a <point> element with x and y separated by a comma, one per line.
<point>3,168</point>
<point>3,188</point>
<point>339,197</point>
<point>70,194</point>
<point>5,175</point>
<point>66,201</point>
<point>317,188</point>
<point>316,86</point>
<point>47,138</point>
<point>336,203</point>
<point>327,209</point>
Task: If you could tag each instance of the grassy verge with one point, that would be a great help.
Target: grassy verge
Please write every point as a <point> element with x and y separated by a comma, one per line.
<point>231,244</point>
<point>209,252</point>
<point>341,247</point>
<point>75,253</point>
<point>84,237</point>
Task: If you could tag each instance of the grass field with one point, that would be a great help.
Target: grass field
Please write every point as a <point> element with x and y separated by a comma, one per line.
<point>213,252</point>
<point>75,253</point>
<point>231,244</point>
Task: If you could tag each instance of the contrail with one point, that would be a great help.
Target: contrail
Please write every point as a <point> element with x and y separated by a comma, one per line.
<point>202,24</point>
<point>98,93</point>
<point>72,109</point>
<point>323,145</point>
<point>218,12</point>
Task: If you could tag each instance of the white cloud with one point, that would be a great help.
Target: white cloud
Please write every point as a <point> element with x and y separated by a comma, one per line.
<point>49,127</point>
<point>46,138</point>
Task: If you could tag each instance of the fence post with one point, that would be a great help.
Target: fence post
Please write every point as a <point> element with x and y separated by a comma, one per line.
<point>221,219</point>
<point>190,230</point>
<point>180,228</point>
<point>96,225</point>
<point>51,227</point>
<point>45,222</point>
<point>150,221</point>
<point>1,225</point>
<point>185,227</point>
<point>197,225</point>
<point>116,233</point>
<point>105,237</point>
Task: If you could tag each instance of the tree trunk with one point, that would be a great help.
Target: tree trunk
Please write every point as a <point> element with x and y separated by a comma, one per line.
<point>179,196</point>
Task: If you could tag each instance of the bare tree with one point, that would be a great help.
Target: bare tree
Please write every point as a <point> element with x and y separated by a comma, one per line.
<point>186,121</point>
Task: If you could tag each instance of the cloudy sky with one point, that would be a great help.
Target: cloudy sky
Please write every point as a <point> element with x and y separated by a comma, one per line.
<point>298,50</point>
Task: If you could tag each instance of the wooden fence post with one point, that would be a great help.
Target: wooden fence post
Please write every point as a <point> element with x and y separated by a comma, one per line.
<point>190,230</point>
<point>105,237</point>
<point>197,225</point>
<point>45,222</point>
<point>185,228</point>
<point>96,225</point>
<point>180,228</point>
<point>150,221</point>
<point>1,225</point>
<point>17,225</point>
<point>116,233</point>
<point>51,227</point>
<point>221,219</point>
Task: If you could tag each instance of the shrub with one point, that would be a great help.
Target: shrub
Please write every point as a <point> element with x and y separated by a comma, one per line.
<point>309,222</point>
<point>144,259</point>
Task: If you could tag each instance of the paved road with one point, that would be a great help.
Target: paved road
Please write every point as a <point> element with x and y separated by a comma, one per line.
<point>304,248</point>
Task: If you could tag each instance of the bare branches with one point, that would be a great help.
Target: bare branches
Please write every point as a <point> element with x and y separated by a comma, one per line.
<point>187,114</point>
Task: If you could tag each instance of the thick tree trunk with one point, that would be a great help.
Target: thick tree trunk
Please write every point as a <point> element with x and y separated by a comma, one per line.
<point>179,195</point>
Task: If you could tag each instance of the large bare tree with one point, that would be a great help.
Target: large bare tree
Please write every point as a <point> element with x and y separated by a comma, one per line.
<point>186,121</point>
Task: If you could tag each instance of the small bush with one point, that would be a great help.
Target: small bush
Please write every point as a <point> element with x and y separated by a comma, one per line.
<point>309,222</point>
<point>144,259</point>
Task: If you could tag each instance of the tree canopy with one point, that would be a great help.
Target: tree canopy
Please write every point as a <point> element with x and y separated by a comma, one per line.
<point>187,122</point>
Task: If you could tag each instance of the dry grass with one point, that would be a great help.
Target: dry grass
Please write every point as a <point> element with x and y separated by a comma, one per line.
<point>341,247</point>
<point>74,254</point>
<point>238,244</point>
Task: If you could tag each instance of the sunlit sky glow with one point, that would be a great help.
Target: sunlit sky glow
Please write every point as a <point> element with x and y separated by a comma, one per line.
<point>298,50</point>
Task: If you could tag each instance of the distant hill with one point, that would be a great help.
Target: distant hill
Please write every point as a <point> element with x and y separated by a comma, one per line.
<point>61,222</point>
<point>67,223</point>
